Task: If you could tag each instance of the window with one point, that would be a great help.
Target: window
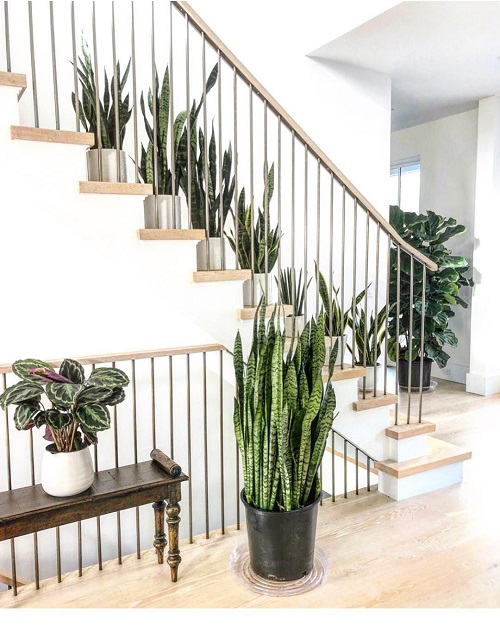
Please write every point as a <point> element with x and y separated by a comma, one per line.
<point>405,185</point>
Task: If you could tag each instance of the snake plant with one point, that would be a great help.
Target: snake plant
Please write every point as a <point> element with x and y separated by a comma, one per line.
<point>292,291</point>
<point>368,336</point>
<point>283,413</point>
<point>107,107</point>
<point>75,408</point>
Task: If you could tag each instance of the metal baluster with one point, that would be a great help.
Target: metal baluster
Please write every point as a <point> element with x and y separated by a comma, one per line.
<point>410,343</point>
<point>117,464</point>
<point>333,466</point>
<point>155,115</point>
<point>54,65</point>
<point>7,35</point>
<point>190,487</point>
<point>115,95</point>
<point>35,534</point>
<point>221,203</point>
<point>80,551</point>
<point>422,336</point>
<point>387,308</point>
<point>153,403</point>
<point>354,251</point>
<point>33,65</point>
<point>75,66</point>
<point>221,438</point>
<point>58,554</point>
<point>13,566</point>
<point>375,342</point>
<point>235,135</point>
<point>357,471</point>
<point>279,206</point>
<point>188,124</point>
<point>330,256</point>
<point>134,92</point>
<point>98,518</point>
<point>171,386</point>
<point>266,209</point>
<point>171,113</point>
<point>345,468</point>
<point>365,331</point>
<point>252,206</point>
<point>306,217</point>
<point>293,204</point>
<point>96,87</point>
<point>318,228</point>
<point>134,422</point>
<point>208,234</point>
<point>205,445</point>
<point>398,310</point>
<point>368,486</point>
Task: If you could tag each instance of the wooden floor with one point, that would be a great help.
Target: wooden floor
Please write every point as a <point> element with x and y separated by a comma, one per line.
<point>439,550</point>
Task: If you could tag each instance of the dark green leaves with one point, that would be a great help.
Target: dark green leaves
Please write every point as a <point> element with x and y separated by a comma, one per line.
<point>107,377</point>
<point>94,417</point>
<point>22,368</point>
<point>62,395</point>
<point>21,392</point>
<point>72,370</point>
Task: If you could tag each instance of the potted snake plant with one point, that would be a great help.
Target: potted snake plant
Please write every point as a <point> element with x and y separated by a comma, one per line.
<point>292,292</point>
<point>283,415</point>
<point>369,335</point>
<point>106,161</point>
<point>72,409</point>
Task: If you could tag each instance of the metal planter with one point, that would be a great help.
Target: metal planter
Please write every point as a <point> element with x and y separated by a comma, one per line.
<point>169,214</point>
<point>109,172</point>
<point>209,254</point>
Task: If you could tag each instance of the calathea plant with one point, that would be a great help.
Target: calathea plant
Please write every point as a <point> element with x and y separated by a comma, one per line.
<point>427,233</point>
<point>283,413</point>
<point>76,407</point>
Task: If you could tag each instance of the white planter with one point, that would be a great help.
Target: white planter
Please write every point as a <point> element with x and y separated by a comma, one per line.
<point>370,378</point>
<point>209,255</point>
<point>300,323</point>
<point>108,165</point>
<point>67,473</point>
<point>330,342</point>
<point>170,216</point>
<point>254,289</point>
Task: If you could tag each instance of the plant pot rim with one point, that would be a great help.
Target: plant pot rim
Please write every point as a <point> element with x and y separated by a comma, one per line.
<point>261,511</point>
<point>426,359</point>
<point>71,451</point>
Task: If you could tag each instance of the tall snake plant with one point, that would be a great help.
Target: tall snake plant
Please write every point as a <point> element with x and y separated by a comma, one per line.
<point>283,413</point>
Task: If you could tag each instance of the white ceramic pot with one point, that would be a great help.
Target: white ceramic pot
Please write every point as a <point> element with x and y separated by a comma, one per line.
<point>369,385</point>
<point>170,216</point>
<point>66,473</point>
<point>331,342</point>
<point>108,165</point>
<point>297,323</point>
<point>254,289</point>
<point>209,255</point>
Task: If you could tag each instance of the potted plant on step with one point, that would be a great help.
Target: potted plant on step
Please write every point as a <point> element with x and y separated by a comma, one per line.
<point>292,292</point>
<point>368,340</point>
<point>282,417</point>
<point>106,162</point>
<point>336,319</point>
<point>254,229</point>
<point>428,233</point>
<point>75,410</point>
<point>164,162</point>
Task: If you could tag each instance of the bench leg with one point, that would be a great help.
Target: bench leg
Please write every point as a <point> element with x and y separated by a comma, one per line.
<point>160,540</point>
<point>173,520</point>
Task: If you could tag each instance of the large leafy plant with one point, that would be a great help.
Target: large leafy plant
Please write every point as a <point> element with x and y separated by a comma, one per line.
<point>256,227</point>
<point>159,148</point>
<point>428,233</point>
<point>107,106</point>
<point>283,413</point>
<point>75,408</point>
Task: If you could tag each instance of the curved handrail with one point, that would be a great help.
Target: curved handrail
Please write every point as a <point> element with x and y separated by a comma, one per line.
<point>247,76</point>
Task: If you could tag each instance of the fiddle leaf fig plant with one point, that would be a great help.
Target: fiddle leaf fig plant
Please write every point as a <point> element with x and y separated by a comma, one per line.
<point>443,288</point>
<point>75,408</point>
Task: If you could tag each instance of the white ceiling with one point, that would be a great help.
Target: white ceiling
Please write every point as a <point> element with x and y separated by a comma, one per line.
<point>443,56</point>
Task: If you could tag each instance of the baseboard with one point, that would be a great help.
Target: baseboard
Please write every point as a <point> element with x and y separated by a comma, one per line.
<point>482,384</point>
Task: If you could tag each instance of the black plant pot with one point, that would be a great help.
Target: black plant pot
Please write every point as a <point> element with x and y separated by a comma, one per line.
<point>281,544</point>
<point>415,373</point>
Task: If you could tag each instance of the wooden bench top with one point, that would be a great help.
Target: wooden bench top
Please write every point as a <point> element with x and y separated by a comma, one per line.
<point>30,509</point>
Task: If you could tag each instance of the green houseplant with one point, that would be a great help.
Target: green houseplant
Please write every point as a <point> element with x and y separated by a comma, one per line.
<point>428,233</point>
<point>71,408</point>
<point>336,319</point>
<point>369,336</point>
<point>253,228</point>
<point>292,292</point>
<point>164,149</point>
<point>111,102</point>
<point>283,415</point>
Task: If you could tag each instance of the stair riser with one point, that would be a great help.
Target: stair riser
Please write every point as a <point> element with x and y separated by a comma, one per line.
<point>407,449</point>
<point>420,483</point>
<point>10,111</point>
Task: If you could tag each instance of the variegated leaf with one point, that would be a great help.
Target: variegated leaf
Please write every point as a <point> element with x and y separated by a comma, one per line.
<point>108,376</point>
<point>57,420</point>
<point>22,368</point>
<point>25,413</point>
<point>94,395</point>
<point>94,417</point>
<point>72,370</point>
<point>21,392</point>
<point>62,395</point>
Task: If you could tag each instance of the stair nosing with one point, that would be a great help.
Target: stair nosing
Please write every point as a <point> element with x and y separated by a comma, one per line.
<point>409,430</point>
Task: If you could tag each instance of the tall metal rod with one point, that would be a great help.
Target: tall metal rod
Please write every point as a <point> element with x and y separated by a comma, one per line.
<point>410,340</point>
<point>171,403</point>
<point>333,466</point>
<point>37,561</point>
<point>221,440</point>
<point>368,486</point>
<point>292,208</point>
<point>115,95</point>
<point>342,277</point>
<point>7,438</point>
<point>318,227</point>
<point>134,425</point>
<point>205,132</point>
<point>266,209</point>
<point>33,65</point>
<point>205,445</point>
<point>345,468</point>
<point>80,550</point>
<point>235,159</point>
<point>172,117</point>
<point>35,534</point>
<point>54,65</point>
<point>357,471</point>
<point>306,217</point>
<point>13,566</point>
<point>221,203</point>
<point>134,91</point>
<point>252,198</point>
<point>365,330</point>
<point>188,415</point>
<point>58,554</point>
<point>117,463</point>
<point>375,325</point>
<point>75,66</point>
<point>422,341</point>
<point>330,255</point>
<point>153,403</point>
<point>115,428</point>
<point>398,311</point>
<point>354,258</point>
<point>7,35</point>
<point>188,123</point>
<point>278,178</point>
<point>387,312</point>
<point>96,94</point>
<point>155,89</point>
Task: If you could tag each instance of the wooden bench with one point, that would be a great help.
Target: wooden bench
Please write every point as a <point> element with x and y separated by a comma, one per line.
<point>157,481</point>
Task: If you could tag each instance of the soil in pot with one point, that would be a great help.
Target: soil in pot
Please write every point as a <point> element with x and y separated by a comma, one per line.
<point>281,544</point>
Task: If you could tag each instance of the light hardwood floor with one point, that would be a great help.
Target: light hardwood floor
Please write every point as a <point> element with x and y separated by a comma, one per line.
<point>439,550</point>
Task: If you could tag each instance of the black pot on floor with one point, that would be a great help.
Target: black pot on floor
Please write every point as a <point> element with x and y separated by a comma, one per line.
<point>281,544</point>
<point>415,373</point>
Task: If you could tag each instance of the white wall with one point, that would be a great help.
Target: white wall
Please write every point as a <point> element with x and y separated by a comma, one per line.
<point>447,150</point>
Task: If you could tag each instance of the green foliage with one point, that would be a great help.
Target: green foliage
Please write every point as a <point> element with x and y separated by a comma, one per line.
<point>336,320</point>
<point>266,240</point>
<point>108,105</point>
<point>78,407</point>
<point>283,413</point>
<point>427,233</point>
<point>368,337</point>
<point>165,144</point>
<point>292,291</point>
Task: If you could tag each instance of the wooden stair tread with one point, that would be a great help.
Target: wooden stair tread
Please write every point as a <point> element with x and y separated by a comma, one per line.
<point>409,430</point>
<point>440,454</point>
<point>347,373</point>
<point>11,79</point>
<point>174,234</point>
<point>370,401</point>
<point>248,312</point>
<point>116,188</point>
<point>222,275</point>
<point>48,135</point>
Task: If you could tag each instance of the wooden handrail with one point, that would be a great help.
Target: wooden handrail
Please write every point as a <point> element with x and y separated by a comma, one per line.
<point>247,76</point>
<point>155,353</point>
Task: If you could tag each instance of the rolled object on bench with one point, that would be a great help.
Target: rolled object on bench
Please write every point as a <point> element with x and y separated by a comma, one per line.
<point>166,463</point>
